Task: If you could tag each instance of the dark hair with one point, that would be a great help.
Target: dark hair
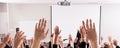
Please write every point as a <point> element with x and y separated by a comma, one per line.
<point>51,35</point>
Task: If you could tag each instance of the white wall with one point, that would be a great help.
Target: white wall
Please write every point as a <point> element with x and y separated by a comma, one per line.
<point>69,18</point>
<point>3,18</point>
<point>110,21</point>
<point>28,12</point>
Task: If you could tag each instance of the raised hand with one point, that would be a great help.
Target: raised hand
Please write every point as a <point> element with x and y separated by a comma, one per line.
<point>115,42</point>
<point>40,31</point>
<point>57,32</point>
<point>18,39</point>
<point>60,42</point>
<point>90,30</point>
<point>82,32</point>
<point>6,39</point>
<point>70,39</point>
<point>110,39</point>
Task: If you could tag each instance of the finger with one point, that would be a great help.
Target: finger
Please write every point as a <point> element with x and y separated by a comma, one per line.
<point>94,27</point>
<point>90,24</point>
<point>7,36</point>
<point>21,34</point>
<point>21,39</point>
<point>83,31</point>
<point>42,23</point>
<point>56,29</point>
<point>87,26</point>
<point>83,24</point>
<point>17,34</point>
<point>38,25</point>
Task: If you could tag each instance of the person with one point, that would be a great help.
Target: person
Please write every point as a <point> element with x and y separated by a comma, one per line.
<point>5,41</point>
<point>56,33</point>
<point>9,44</point>
<point>75,43</point>
<point>70,41</point>
<point>51,41</point>
<point>40,33</point>
<point>107,45</point>
<point>18,39</point>
<point>90,31</point>
<point>116,43</point>
<point>78,35</point>
<point>110,41</point>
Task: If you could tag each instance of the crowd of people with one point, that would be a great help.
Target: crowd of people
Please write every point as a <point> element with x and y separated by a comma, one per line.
<point>86,38</point>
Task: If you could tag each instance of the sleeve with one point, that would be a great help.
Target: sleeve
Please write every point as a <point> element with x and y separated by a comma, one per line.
<point>117,47</point>
<point>55,46</point>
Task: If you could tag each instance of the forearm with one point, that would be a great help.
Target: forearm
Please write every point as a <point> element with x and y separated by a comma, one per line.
<point>2,45</point>
<point>111,45</point>
<point>55,39</point>
<point>94,44</point>
<point>36,44</point>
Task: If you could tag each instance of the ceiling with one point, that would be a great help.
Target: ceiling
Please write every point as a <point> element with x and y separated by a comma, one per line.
<point>55,1</point>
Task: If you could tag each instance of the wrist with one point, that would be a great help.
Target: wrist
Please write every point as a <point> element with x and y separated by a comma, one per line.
<point>94,44</point>
<point>36,40</point>
<point>15,47</point>
<point>56,35</point>
<point>36,43</point>
<point>3,43</point>
<point>55,39</point>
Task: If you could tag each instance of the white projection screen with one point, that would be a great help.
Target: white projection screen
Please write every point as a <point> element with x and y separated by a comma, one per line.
<point>69,18</point>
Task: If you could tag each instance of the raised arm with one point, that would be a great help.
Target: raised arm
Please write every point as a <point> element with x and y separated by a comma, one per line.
<point>56,33</point>
<point>18,39</point>
<point>6,39</point>
<point>40,33</point>
<point>91,32</point>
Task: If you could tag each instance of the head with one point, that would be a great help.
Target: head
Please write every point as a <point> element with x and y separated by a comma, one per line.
<point>110,38</point>
<point>115,42</point>
<point>106,45</point>
<point>51,37</point>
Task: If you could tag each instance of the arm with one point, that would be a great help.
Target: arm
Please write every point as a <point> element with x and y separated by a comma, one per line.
<point>6,39</point>
<point>110,41</point>
<point>70,40</point>
<point>75,42</point>
<point>90,30</point>
<point>40,33</point>
<point>57,32</point>
<point>18,39</point>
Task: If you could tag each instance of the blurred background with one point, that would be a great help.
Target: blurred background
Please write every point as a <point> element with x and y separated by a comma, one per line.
<point>23,14</point>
